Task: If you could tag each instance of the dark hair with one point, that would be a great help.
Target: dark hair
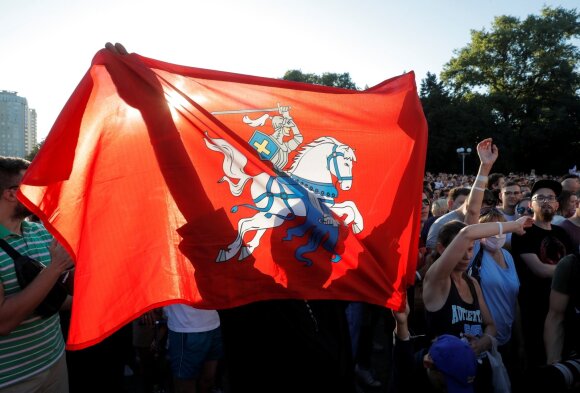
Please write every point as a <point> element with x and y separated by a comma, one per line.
<point>10,168</point>
<point>563,200</point>
<point>493,179</point>
<point>448,232</point>
<point>489,198</point>
<point>456,192</point>
<point>511,183</point>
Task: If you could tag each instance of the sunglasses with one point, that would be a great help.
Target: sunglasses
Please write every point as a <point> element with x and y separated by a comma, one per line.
<point>426,202</point>
<point>524,210</point>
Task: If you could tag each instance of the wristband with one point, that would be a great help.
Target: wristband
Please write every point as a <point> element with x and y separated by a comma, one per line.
<point>482,178</point>
<point>396,338</point>
<point>500,228</point>
<point>478,188</point>
<point>418,276</point>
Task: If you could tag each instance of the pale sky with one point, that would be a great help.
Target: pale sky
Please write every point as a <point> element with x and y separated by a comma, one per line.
<point>46,46</point>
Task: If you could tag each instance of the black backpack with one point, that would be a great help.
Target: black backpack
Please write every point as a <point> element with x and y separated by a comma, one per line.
<point>26,270</point>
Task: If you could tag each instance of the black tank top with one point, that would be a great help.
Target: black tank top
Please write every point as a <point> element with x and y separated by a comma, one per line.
<point>456,316</point>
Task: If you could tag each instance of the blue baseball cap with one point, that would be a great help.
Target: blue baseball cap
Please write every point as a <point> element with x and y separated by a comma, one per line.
<point>455,359</point>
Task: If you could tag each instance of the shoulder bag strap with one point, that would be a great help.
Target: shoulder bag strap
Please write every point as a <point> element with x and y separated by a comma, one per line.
<point>9,249</point>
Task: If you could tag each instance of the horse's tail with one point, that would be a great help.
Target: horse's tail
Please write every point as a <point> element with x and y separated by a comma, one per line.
<point>233,166</point>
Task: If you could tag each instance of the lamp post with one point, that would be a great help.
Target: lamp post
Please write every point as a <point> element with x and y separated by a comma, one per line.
<point>463,152</point>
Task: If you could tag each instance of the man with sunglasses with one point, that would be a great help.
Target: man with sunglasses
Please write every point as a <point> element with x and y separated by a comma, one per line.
<point>537,252</point>
<point>31,347</point>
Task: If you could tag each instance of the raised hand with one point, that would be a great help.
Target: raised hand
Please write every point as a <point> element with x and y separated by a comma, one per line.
<point>523,222</point>
<point>487,151</point>
<point>59,258</point>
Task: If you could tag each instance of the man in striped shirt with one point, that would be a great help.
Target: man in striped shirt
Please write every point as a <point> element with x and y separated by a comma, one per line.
<point>31,348</point>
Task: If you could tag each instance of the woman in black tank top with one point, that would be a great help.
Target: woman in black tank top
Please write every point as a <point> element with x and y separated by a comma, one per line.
<point>453,301</point>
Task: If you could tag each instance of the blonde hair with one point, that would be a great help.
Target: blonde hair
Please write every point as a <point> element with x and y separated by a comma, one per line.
<point>491,215</point>
<point>439,207</point>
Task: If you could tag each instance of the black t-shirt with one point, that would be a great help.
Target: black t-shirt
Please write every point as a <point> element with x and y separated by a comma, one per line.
<point>534,298</point>
<point>550,246</point>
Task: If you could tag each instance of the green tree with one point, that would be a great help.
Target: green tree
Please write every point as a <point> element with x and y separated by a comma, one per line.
<point>30,156</point>
<point>326,79</point>
<point>453,122</point>
<point>525,74</point>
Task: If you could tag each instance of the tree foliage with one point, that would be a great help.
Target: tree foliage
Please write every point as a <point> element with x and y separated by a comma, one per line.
<point>326,79</point>
<point>30,156</point>
<point>525,75</point>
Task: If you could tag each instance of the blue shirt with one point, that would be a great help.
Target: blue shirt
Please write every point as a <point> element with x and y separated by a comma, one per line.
<point>500,287</point>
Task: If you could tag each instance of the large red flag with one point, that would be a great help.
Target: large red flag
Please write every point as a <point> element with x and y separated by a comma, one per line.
<point>170,183</point>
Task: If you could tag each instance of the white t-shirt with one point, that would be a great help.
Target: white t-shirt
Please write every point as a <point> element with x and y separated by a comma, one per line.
<point>182,318</point>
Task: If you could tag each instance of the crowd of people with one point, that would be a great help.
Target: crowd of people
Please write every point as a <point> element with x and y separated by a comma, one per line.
<point>494,308</point>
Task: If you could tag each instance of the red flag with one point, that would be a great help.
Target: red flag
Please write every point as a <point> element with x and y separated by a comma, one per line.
<point>170,183</point>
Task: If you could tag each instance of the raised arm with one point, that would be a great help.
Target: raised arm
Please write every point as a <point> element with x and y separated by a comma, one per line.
<point>554,326</point>
<point>488,154</point>
<point>456,250</point>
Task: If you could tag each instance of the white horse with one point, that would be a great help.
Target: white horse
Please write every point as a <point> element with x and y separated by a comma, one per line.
<point>308,191</point>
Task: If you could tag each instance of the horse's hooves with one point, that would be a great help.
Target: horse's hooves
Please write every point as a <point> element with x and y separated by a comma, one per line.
<point>221,256</point>
<point>244,253</point>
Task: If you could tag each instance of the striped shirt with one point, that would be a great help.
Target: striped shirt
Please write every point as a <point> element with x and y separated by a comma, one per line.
<point>37,343</point>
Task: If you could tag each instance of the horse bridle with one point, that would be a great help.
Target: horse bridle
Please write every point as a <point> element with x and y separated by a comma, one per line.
<point>333,157</point>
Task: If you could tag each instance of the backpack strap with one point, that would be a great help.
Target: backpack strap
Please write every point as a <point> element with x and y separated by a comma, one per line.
<point>9,249</point>
<point>475,267</point>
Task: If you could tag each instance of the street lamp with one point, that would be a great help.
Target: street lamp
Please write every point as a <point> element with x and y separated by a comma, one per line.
<point>463,152</point>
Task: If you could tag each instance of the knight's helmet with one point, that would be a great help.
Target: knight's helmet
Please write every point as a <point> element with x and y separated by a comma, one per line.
<point>278,122</point>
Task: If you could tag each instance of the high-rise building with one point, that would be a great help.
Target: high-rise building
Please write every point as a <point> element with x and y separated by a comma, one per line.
<point>17,125</point>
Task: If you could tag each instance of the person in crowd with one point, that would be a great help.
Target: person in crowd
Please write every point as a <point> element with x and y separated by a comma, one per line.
<point>494,266</point>
<point>457,214</point>
<point>536,253</point>
<point>453,301</point>
<point>510,195</point>
<point>195,347</point>
<point>524,207</point>
<point>439,207</point>
<point>496,183</point>
<point>566,206</point>
<point>571,183</point>
<point>415,292</point>
<point>31,347</point>
<point>456,197</point>
<point>562,324</point>
<point>448,365</point>
<point>572,225</point>
<point>363,319</point>
<point>149,342</point>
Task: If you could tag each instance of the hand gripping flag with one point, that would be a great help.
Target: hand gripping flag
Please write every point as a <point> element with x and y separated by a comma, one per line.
<point>175,184</point>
